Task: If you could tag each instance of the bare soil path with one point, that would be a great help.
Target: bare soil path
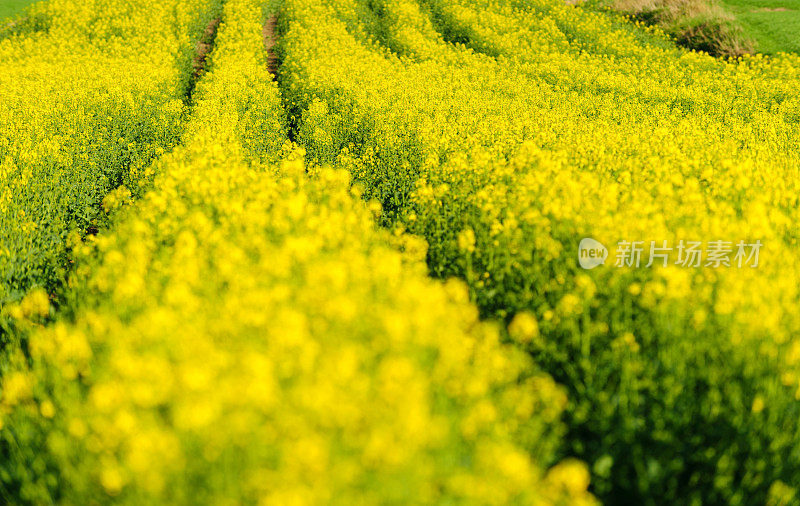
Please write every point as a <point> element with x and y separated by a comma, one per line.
<point>204,46</point>
<point>269,43</point>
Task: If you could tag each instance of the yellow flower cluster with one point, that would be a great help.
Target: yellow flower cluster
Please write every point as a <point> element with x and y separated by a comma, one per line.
<point>245,334</point>
<point>91,93</point>
<point>504,132</point>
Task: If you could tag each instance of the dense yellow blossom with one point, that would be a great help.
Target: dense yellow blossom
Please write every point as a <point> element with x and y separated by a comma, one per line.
<point>244,334</point>
<point>91,93</point>
<point>504,132</point>
<point>242,331</point>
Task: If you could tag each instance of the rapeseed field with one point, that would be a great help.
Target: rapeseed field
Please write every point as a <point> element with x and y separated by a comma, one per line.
<point>393,252</point>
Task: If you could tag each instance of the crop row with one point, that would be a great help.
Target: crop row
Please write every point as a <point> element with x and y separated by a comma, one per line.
<point>92,93</point>
<point>244,333</point>
<point>504,132</point>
